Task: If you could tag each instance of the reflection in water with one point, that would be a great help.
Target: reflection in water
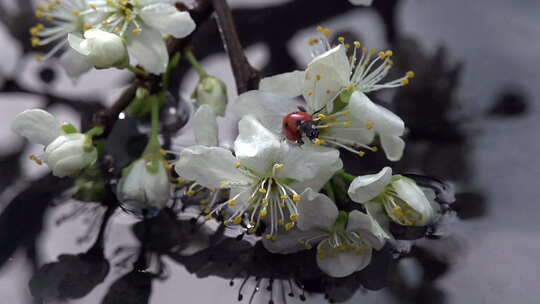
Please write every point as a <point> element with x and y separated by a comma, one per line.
<point>438,145</point>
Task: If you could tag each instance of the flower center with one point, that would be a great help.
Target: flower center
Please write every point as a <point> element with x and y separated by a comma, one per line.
<point>267,198</point>
<point>120,16</point>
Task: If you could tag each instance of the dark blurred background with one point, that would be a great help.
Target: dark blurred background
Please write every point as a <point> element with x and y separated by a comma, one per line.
<point>471,113</point>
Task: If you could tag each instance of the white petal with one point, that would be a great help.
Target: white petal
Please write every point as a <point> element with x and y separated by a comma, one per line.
<point>366,187</point>
<point>324,78</point>
<point>393,147</point>
<point>75,42</point>
<point>408,191</point>
<point>268,108</point>
<point>367,228</point>
<point>378,213</point>
<point>66,155</point>
<point>74,64</point>
<point>288,84</point>
<point>258,148</point>
<point>310,166</point>
<point>168,20</point>
<point>288,242</point>
<point>149,48</point>
<point>384,121</point>
<point>357,133</point>
<point>339,264</point>
<point>205,126</point>
<point>361,2</point>
<point>38,126</point>
<point>209,166</point>
<point>316,211</point>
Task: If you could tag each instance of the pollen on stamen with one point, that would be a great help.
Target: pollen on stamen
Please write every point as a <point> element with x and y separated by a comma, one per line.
<point>238,165</point>
<point>294,217</point>
<point>410,74</point>
<point>318,76</point>
<point>93,6</point>
<point>370,125</point>
<point>87,26</point>
<point>319,141</point>
<point>136,31</point>
<point>313,41</point>
<point>289,226</point>
<point>76,12</point>
<point>36,159</point>
<point>262,190</point>
<point>341,39</point>
<point>279,166</point>
<point>361,153</point>
<point>116,30</point>
<point>296,198</point>
<point>232,203</point>
<point>309,92</point>
<point>238,220</point>
<point>321,116</point>
<point>374,149</point>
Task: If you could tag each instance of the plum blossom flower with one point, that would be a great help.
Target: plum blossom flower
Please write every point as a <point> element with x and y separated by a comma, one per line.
<point>61,18</point>
<point>345,241</point>
<point>400,197</point>
<point>144,185</point>
<point>333,87</point>
<point>211,91</point>
<point>66,150</point>
<point>265,176</point>
<point>101,49</point>
<point>142,24</point>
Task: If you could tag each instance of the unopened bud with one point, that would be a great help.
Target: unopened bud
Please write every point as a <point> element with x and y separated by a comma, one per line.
<point>213,92</point>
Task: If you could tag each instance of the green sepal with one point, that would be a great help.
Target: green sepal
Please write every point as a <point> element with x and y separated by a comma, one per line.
<point>69,128</point>
<point>342,101</point>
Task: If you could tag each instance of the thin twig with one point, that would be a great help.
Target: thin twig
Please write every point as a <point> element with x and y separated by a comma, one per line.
<point>246,77</point>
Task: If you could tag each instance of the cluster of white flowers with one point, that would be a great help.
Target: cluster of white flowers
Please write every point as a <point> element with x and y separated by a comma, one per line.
<point>279,176</point>
<point>106,33</point>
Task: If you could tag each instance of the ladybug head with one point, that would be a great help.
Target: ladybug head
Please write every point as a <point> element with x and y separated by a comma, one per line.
<point>308,128</point>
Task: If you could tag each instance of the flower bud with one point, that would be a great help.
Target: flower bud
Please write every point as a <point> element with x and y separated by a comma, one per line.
<point>213,92</point>
<point>144,186</point>
<point>69,153</point>
<point>102,49</point>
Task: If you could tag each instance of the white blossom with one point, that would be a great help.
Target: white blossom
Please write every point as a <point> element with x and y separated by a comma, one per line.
<point>144,185</point>
<point>265,176</point>
<point>102,49</point>
<point>213,92</point>
<point>61,18</point>
<point>345,240</point>
<point>400,198</point>
<point>142,24</point>
<point>65,153</point>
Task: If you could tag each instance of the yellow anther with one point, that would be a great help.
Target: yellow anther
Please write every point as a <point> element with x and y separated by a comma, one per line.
<point>270,237</point>
<point>238,165</point>
<point>347,123</point>
<point>116,30</point>
<point>251,197</point>
<point>238,220</point>
<point>284,196</point>
<point>382,55</point>
<point>321,116</point>
<point>168,166</point>
<point>279,166</point>
<point>294,217</point>
<point>405,81</point>
<point>50,18</point>
<point>282,204</point>
<point>162,152</point>
<point>410,74</point>
<point>105,22</point>
<point>324,31</point>
<point>136,31</point>
<point>232,203</point>
<point>204,202</point>
<point>318,76</point>
<point>76,12</point>
<point>262,190</point>
<point>308,245</point>
<point>357,44</point>
<point>289,226</point>
<point>226,222</point>
<point>39,14</point>
<point>190,193</point>
<point>309,92</point>
<point>319,141</point>
<point>370,125</point>
<point>313,41</point>
<point>281,222</point>
<point>223,186</point>
<point>374,149</point>
<point>345,114</point>
<point>265,201</point>
<point>252,230</point>
<point>350,88</point>
<point>361,153</point>
<point>263,213</point>
<point>252,223</point>
<point>36,159</point>
<point>110,3</point>
<point>389,53</point>
<point>41,7</point>
<point>347,46</point>
<point>341,39</point>
<point>208,217</point>
<point>93,6</point>
<point>35,41</point>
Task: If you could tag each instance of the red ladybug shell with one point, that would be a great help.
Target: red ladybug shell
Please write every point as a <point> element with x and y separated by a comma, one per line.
<point>291,122</point>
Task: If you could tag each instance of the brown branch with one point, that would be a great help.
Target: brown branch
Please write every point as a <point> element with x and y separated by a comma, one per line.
<point>246,77</point>
<point>108,117</point>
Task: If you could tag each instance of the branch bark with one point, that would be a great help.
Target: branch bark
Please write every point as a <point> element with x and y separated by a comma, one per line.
<point>246,77</point>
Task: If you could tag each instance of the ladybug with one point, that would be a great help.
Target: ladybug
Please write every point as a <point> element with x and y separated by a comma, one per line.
<point>298,124</point>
